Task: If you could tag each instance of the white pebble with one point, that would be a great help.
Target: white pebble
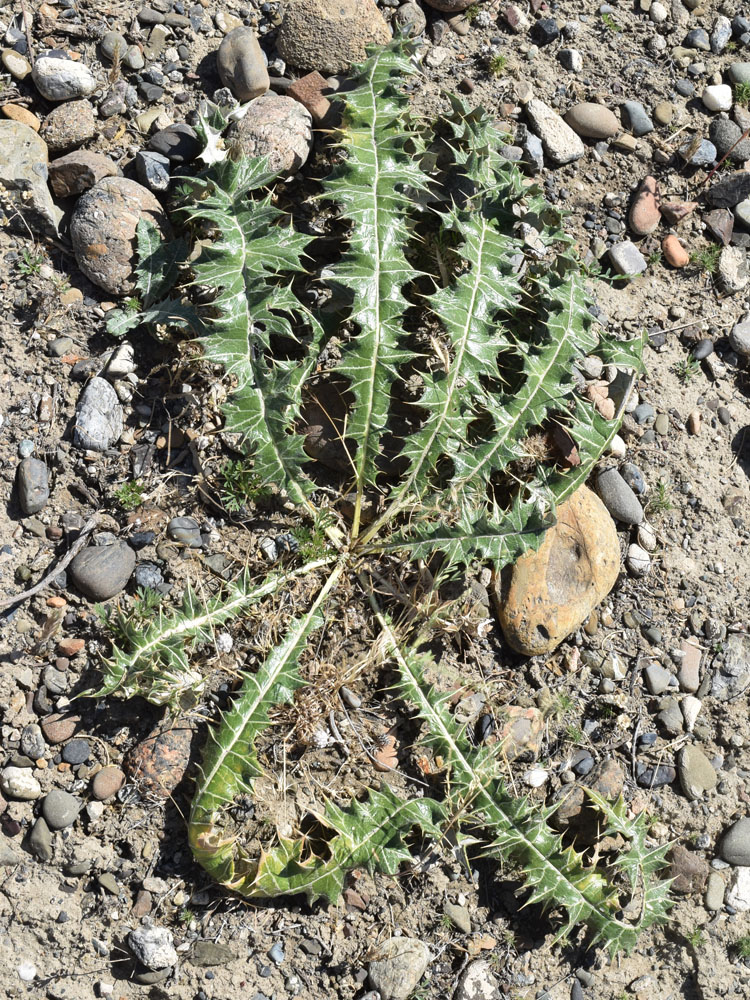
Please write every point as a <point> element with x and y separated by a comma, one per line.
<point>658,13</point>
<point>19,783</point>
<point>646,536</point>
<point>94,811</point>
<point>617,447</point>
<point>690,707</point>
<point>26,971</point>
<point>536,777</point>
<point>224,642</point>
<point>718,97</point>
<point>638,560</point>
<point>105,989</point>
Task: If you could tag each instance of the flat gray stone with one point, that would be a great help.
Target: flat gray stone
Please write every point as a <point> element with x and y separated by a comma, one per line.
<point>715,889</point>
<point>32,484</point>
<point>695,771</point>
<point>23,175</point>
<point>635,118</point>
<point>657,678</point>
<point>98,420</point>
<point>398,966</point>
<point>561,144</point>
<point>60,809</point>
<point>101,571</point>
<point>627,259</point>
<point>40,840</point>
<point>208,953</point>
<point>729,191</point>
<point>618,498</point>
<point>735,844</point>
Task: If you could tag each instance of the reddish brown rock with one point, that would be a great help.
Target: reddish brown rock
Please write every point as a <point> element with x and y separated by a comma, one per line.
<point>107,783</point>
<point>720,223</point>
<point>688,870</point>
<point>674,252</point>
<point>308,90</point>
<point>58,728</point>
<point>549,593</point>
<point>22,115</point>
<point>77,172</point>
<point>69,647</point>
<point>675,211</point>
<point>645,213</point>
<point>103,231</point>
<point>158,764</point>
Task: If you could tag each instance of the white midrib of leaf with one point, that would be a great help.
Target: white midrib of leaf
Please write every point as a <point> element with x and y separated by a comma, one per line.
<point>186,626</point>
<point>361,459</point>
<point>287,650</point>
<point>502,437</point>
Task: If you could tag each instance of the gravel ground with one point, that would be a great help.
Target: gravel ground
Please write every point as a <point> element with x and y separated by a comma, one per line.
<point>649,696</point>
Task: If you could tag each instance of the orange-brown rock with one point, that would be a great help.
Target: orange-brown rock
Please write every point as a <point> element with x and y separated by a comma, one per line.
<point>158,764</point>
<point>547,594</point>
<point>674,252</point>
<point>645,213</point>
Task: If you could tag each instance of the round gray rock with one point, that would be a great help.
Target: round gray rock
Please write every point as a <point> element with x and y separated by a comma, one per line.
<point>101,571</point>
<point>185,530</point>
<point>724,134</point>
<point>60,809</point>
<point>411,19</point>
<point>398,966</point>
<point>62,79</point>
<point>32,483</point>
<point>330,35</point>
<point>241,65</point>
<point>153,946</point>
<point>739,337</point>
<point>593,121</point>
<point>618,498</point>
<point>98,420</point>
<point>735,844</point>
<point>103,231</point>
<point>277,127</point>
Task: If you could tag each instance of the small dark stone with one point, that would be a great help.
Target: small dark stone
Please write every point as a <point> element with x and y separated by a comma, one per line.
<point>150,92</point>
<point>697,39</point>
<point>153,170</point>
<point>185,530</point>
<point>702,349</point>
<point>148,575</point>
<point>76,752</point>
<point>725,417</point>
<point>32,485</point>
<point>140,539</point>
<point>634,478</point>
<point>545,31</point>
<point>730,191</point>
<point>179,143</point>
<point>655,777</point>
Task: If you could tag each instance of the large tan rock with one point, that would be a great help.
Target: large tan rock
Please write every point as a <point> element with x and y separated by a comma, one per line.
<point>549,593</point>
<point>329,35</point>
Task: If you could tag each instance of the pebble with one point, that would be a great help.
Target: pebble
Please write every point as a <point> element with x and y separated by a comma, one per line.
<point>179,143</point>
<point>721,34</point>
<point>657,678</point>
<point>634,478</point>
<point>241,64</point>
<point>76,752</point>
<point>735,844</point>
<point>158,764</point>
<point>32,742</point>
<point>277,127</point>
<point>658,13</point>
<point>594,121</point>
<point>655,777</point>
<point>715,889</point>
<point>702,349</point>
<point>725,136</point>
<point>17,65</point>
<point>19,783</point>
<point>153,946</point>
<point>152,170</point>
<point>730,191</point>
<point>397,966</point>
<point>411,19</point>
<point>733,272</point>
<point>697,39</point>
<point>32,485</point>
<point>113,46</point>
<point>102,571</point>
<point>68,126</point>
<point>209,953</point>
<point>276,953</point>
<point>690,708</point>
<point>60,809</point>
<point>738,892</point>
<point>40,840</point>
<point>78,171</point>
<point>57,727</point>
<point>103,230</point>
<point>148,575</point>
<point>739,72</point>
<point>330,35</point>
<point>688,870</point>
<point>637,560</point>
<point>739,336</point>
<point>618,497</point>
<point>477,982</point>
<point>185,530</point>
<point>644,214</point>
<point>703,156</point>
<point>634,117</point>
<point>717,97</point>
<point>23,177</point>
<point>62,79</point>
<point>560,142</point>
<point>99,419</point>
<point>742,211</point>
<point>627,259</point>
<point>674,252</point>
<point>695,771</point>
<point>19,114</point>
<point>664,112</point>
<point>107,782</point>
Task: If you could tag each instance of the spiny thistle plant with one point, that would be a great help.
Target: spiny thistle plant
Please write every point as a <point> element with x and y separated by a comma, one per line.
<point>450,474</point>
